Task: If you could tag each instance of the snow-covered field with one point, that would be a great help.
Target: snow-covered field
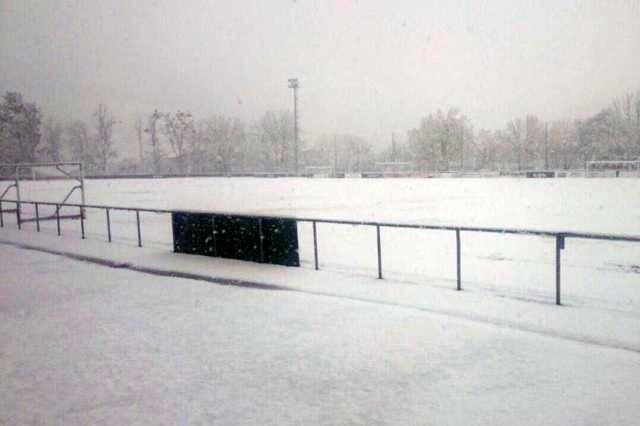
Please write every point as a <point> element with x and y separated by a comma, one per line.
<point>84,344</point>
<point>604,274</point>
<point>88,344</point>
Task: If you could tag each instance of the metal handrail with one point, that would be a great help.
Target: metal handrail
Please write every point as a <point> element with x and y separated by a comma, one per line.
<point>560,236</point>
<point>462,228</point>
<point>23,165</point>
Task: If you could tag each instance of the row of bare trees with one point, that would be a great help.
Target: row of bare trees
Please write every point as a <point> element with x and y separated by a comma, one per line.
<point>178,143</point>
<point>168,142</point>
<point>446,140</point>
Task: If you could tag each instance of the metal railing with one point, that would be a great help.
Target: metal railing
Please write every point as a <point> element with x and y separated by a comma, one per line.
<point>559,236</point>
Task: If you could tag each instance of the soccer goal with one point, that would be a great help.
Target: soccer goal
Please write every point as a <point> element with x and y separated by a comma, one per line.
<point>319,171</point>
<point>604,168</point>
<point>395,168</point>
<point>59,183</point>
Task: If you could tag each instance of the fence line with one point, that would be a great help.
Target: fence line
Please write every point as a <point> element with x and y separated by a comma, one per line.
<point>559,236</point>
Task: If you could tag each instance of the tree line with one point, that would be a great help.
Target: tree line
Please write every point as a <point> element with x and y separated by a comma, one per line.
<point>178,143</point>
<point>447,140</point>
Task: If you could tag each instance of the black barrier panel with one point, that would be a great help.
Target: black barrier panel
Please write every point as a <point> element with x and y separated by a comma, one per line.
<point>372,174</point>
<point>235,237</point>
<point>280,242</point>
<point>238,238</point>
<point>193,233</point>
<point>540,174</point>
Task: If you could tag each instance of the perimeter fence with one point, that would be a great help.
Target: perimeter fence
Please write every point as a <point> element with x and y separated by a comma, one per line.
<point>560,237</point>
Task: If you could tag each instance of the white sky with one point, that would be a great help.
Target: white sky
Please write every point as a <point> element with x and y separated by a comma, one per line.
<point>365,67</point>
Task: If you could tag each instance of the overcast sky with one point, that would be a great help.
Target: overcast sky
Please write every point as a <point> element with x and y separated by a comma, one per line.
<point>365,67</point>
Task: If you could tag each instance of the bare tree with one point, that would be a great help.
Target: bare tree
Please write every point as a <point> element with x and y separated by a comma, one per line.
<point>179,128</point>
<point>104,137</point>
<point>79,141</point>
<point>139,128</point>
<point>152,130</point>
<point>224,139</point>
<point>562,144</point>
<point>275,131</point>
<point>440,139</point>
<point>515,135</point>
<point>51,149</point>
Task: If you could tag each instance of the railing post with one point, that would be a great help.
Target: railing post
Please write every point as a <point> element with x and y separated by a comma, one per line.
<point>315,245</point>
<point>37,218</point>
<point>82,197</point>
<point>82,222</point>
<point>458,261</point>
<point>559,248</point>
<point>58,219</point>
<point>108,225</point>
<point>1,216</point>
<point>18,206</point>
<point>138,223</point>
<point>379,252</point>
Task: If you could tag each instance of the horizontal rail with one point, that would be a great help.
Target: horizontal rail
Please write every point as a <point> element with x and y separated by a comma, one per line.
<point>52,217</point>
<point>493,230</point>
<point>22,165</point>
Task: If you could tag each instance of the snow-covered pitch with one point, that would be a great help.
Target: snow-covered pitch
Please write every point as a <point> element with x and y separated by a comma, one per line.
<point>594,273</point>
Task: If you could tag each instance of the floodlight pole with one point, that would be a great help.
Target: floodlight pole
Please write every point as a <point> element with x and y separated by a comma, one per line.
<point>293,84</point>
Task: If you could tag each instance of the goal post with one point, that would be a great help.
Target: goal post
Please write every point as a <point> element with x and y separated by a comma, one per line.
<point>22,177</point>
<point>320,171</point>
<point>612,167</point>
<point>395,168</point>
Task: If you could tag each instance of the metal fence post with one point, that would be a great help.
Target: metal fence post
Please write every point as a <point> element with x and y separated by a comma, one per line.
<point>315,245</point>
<point>458,261</point>
<point>82,196</point>
<point>37,218</point>
<point>108,225</point>
<point>82,222</point>
<point>559,248</point>
<point>379,252</point>
<point>138,223</point>
<point>58,219</point>
<point>1,216</point>
<point>18,206</point>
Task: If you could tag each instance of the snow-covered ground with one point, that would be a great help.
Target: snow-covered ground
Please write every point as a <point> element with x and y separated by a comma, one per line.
<point>603,274</point>
<point>86,344</point>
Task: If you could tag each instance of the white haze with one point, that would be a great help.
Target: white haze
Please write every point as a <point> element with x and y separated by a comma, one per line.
<point>365,67</point>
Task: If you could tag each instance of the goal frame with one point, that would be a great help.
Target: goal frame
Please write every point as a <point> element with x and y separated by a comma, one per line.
<point>65,174</point>
<point>614,165</point>
<point>395,168</point>
<point>320,170</point>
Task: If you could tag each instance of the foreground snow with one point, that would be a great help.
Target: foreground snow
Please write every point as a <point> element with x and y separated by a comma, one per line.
<point>86,344</point>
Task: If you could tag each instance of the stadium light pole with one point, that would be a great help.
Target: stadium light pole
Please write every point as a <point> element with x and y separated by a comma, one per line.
<point>293,84</point>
